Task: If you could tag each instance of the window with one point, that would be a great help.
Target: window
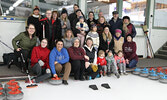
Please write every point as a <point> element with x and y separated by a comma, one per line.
<point>135,9</point>
<point>160,13</point>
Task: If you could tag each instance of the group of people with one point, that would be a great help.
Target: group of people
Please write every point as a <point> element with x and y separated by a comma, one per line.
<point>71,44</point>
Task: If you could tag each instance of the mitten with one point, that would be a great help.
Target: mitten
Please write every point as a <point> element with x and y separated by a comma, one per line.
<point>41,63</point>
<point>94,68</point>
<point>48,71</point>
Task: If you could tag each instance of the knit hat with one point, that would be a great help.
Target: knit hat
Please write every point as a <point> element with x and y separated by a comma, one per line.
<point>81,17</point>
<point>129,35</point>
<point>126,17</point>
<point>78,10</point>
<point>36,8</point>
<point>115,12</point>
<point>118,30</point>
<point>64,11</point>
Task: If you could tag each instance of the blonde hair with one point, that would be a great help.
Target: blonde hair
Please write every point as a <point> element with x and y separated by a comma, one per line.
<point>100,52</point>
<point>105,36</point>
<point>103,18</point>
<point>72,35</point>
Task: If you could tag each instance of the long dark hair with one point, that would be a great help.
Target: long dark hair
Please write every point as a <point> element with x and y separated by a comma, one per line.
<point>26,32</point>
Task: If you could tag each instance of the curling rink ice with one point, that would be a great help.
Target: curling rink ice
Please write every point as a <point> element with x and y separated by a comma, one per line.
<point>130,87</point>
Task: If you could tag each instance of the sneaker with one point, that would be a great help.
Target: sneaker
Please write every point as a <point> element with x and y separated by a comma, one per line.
<point>98,76</point>
<point>82,79</point>
<point>117,75</point>
<point>125,73</point>
<point>64,82</point>
<point>10,63</point>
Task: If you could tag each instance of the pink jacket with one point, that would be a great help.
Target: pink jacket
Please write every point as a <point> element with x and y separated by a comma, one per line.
<point>119,59</point>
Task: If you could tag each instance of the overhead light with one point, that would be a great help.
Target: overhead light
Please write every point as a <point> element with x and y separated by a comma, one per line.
<point>17,3</point>
<point>7,12</point>
<point>11,8</point>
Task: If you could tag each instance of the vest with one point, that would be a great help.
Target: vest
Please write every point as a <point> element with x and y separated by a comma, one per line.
<point>118,44</point>
<point>90,54</point>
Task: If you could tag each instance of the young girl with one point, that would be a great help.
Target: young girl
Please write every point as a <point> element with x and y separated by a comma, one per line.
<point>95,36</point>
<point>82,26</point>
<point>101,60</point>
<point>111,65</point>
<point>120,61</point>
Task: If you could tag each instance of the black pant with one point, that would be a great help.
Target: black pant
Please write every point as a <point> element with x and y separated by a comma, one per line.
<point>41,73</point>
<point>89,72</point>
<point>78,67</point>
<point>24,60</point>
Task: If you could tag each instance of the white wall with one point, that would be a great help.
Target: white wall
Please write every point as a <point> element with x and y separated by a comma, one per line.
<point>8,30</point>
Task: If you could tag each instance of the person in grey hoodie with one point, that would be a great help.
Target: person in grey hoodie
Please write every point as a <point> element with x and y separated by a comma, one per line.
<point>68,39</point>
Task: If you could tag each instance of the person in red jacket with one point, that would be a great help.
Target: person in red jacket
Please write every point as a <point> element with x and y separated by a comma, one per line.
<point>129,50</point>
<point>40,62</point>
<point>101,60</point>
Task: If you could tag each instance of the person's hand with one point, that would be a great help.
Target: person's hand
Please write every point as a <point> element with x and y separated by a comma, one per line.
<point>48,71</point>
<point>18,49</point>
<point>86,57</point>
<point>56,62</point>
<point>107,51</point>
<point>87,64</point>
<point>55,75</point>
<point>127,61</point>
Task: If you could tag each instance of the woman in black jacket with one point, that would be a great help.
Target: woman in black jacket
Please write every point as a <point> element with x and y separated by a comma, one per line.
<point>106,41</point>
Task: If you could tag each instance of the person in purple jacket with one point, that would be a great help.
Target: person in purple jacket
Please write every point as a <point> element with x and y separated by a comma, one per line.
<point>59,60</point>
<point>129,50</point>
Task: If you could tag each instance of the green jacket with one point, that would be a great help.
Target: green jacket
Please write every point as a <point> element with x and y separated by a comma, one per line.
<point>24,41</point>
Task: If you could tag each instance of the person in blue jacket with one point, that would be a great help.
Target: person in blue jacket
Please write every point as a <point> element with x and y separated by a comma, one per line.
<point>59,61</point>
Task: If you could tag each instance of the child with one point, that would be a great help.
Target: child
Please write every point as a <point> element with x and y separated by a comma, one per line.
<point>118,40</point>
<point>101,60</point>
<point>82,26</point>
<point>95,36</point>
<point>120,61</point>
<point>111,64</point>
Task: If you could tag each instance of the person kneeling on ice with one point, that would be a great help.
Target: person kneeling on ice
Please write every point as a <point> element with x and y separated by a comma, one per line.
<point>111,65</point>
<point>101,60</point>
<point>40,62</point>
<point>59,60</point>
<point>92,69</point>
<point>120,62</point>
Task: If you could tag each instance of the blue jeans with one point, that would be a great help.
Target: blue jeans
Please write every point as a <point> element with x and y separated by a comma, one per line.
<point>132,63</point>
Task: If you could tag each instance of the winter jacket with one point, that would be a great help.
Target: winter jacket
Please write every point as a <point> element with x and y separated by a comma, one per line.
<point>101,61</point>
<point>115,25</point>
<point>100,27</point>
<point>61,57</point>
<point>95,38</point>
<point>91,53</point>
<point>76,53</point>
<point>85,26</point>
<point>131,29</point>
<point>94,21</point>
<point>110,60</point>
<point>72,17</point>
<point>64,29</point>
<point>39,53</point>
<point>35,21</point>
<point>119,60</point>
<point>129,50</point>
<point>24,41</point>
<point>67,43</point>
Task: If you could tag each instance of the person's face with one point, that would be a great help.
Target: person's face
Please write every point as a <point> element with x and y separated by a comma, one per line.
<point>31,30</point>
<point>129,39</point>
<point>117,34</point>
<point>95,29</point>
<point>75,8</point>
<point>120,54</point>
<point>55,15</point>
<point>101,20</point>
<point>44,43</point>
<point>126,21</point>
<point>76,43</point>
<point>69,33</point>
<point>100,14</point>
<point>79,13</point>
<point>48,14</point>
<point>110,54</point>
<point>89,43</point>
<point>91,16</point>
<point>64,15</point>
<point>59,45</point>
<point>115,16</point>
<point>106,30</point>
<point>81,20</point>
<point>102,55</point>
<point>36,12</point>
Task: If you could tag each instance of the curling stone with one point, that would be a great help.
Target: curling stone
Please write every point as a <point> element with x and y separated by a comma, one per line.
<point>136,71</point>
<point>14,94</point>
<point>11,82</point>
<point>152,68</point>
<point>2,96</point>
<point>159,69</point>
<point>163,79</point>
<point>1,85</point>
<point>2,89</point>
<point>55,81</point>
<point>153,76</point>
<point>144,72</point>
<point>160,74</point>
<point>13,87</point>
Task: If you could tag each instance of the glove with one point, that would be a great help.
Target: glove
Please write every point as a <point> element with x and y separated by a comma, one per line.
<point>48,71</point>
<point>41,63</point>
<point>94,68</point>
